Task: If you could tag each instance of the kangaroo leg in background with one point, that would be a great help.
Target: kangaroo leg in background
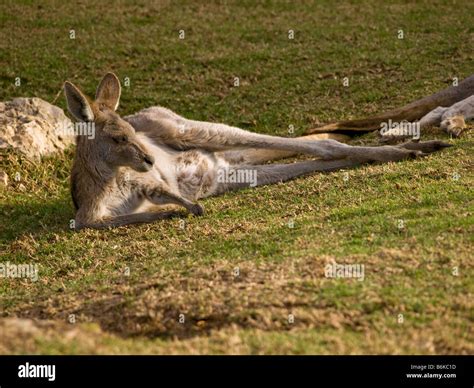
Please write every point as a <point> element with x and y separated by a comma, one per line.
<point>452,119</point>
<point>411,112</point>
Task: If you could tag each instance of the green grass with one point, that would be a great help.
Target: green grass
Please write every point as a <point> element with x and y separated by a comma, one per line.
<point>190,271</point>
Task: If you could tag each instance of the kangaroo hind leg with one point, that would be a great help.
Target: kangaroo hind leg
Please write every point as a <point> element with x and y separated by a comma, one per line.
<point>241,177</point>
<point>255,156</point>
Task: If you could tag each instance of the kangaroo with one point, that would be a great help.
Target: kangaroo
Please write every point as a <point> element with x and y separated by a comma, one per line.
<point>156,157</point>
<point>454,101</point>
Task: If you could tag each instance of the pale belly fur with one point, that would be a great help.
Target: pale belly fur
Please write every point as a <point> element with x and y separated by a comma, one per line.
<point>193,173</point>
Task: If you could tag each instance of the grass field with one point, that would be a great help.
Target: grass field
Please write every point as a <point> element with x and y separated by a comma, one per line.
<point>248,277</point>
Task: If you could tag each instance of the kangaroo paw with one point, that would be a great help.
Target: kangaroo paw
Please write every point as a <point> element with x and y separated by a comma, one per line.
<point>454,125</point>
<point>197,209</point>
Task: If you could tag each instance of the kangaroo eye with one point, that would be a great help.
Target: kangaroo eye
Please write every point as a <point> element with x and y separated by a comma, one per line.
<point>120,139</point>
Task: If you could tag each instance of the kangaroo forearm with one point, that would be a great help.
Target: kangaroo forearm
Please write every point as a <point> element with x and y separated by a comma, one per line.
<point>159,196</point>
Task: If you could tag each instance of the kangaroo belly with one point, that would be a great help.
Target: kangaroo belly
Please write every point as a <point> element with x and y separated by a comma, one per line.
<point>196,173</point>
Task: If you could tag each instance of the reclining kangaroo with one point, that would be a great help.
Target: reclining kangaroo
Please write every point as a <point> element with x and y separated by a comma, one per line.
<point>157,157</point>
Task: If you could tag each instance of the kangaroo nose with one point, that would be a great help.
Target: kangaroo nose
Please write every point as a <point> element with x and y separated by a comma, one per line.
<point>149,160</point>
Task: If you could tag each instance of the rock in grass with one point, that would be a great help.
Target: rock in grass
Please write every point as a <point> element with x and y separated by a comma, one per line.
<point>34,127</point>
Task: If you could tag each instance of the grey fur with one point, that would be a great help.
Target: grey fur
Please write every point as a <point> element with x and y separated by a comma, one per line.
<point>157,157</point>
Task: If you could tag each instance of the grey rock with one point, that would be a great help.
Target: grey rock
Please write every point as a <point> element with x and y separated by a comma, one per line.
<point>34,127</point>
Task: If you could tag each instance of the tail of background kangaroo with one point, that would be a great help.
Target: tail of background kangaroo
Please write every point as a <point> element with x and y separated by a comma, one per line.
<point>411,112</point>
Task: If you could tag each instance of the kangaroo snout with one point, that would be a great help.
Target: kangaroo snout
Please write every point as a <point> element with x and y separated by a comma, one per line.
<point>144,160</point>
<point>148,159</point>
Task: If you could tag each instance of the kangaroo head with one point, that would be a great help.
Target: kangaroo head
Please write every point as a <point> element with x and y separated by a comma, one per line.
<point>115,140</point>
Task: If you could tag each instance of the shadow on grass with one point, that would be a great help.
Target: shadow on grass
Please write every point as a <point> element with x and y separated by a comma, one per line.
<point>36,218</point>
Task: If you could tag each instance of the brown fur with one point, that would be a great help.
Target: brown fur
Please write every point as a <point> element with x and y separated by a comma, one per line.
<point>411,112</point>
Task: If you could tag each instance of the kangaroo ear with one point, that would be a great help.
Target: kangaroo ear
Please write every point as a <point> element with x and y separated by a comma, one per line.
<point>77,103</point>
<point>108,92</point>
